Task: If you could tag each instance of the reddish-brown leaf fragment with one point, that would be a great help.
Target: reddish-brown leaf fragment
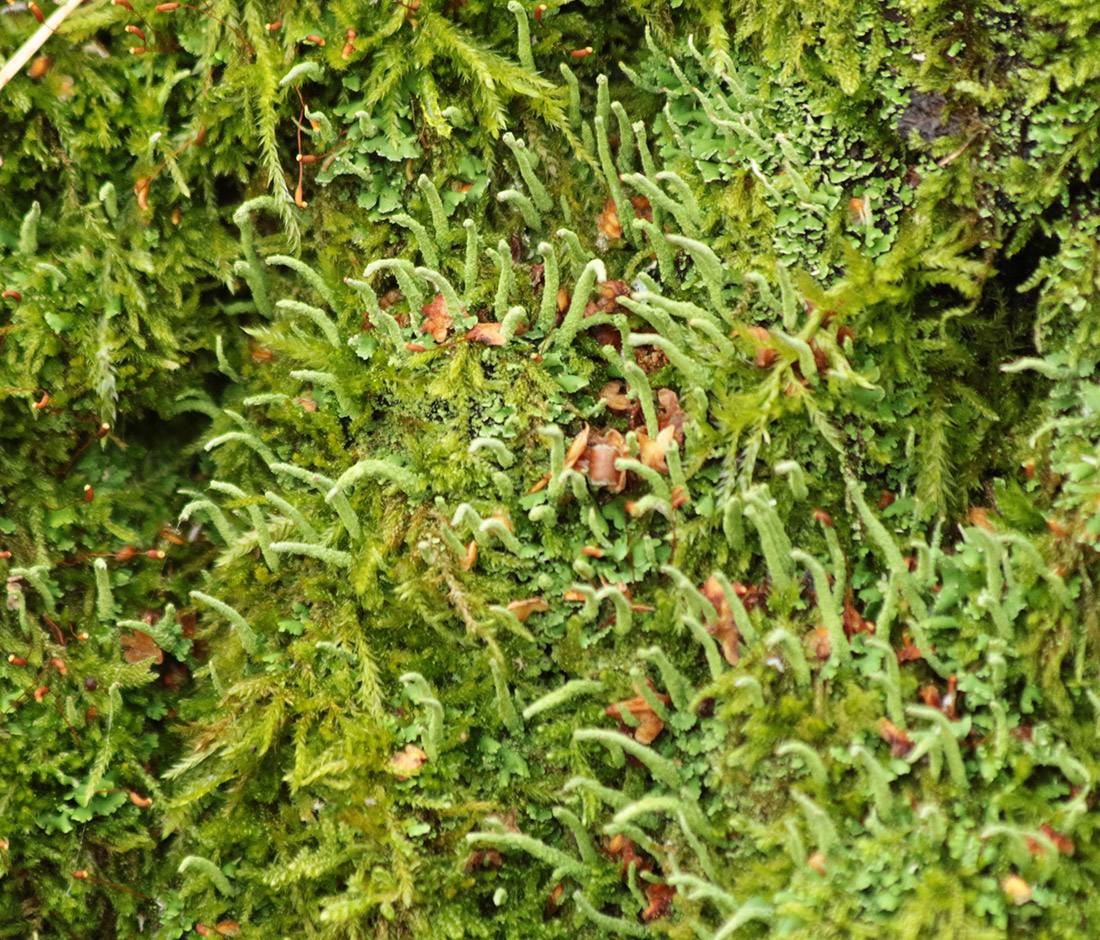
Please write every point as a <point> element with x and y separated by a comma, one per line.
<point>818,644</point>
<point>484,858</point>
<point>894,736</point>
<point>470,557</point>
<point>601,467</point>
<point>652,451</point>
<point>140,646</point>
<point>650,725</point>
<point>617,400</point>
<point>909,650</point>
<point>659,895</point>
<point>853,621</point>
<point>608,223</point>
<point>553,903</point>
<point>580,442</point>
<point>407,762</point>
<point>529,605</point>
<point>671,414</point>
<point>765,354</point>
<point>438,319</point>
<point>1062,843</point>
<point>487,333</point>
<point>721,626</point>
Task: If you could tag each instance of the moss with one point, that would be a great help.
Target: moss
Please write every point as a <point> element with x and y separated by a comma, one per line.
<point>416,684</point>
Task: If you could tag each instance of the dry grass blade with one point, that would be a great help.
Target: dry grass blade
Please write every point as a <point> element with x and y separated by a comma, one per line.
<point>13,66</point>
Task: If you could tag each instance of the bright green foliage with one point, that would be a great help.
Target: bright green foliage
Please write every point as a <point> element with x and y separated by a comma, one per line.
<point>820,285</point>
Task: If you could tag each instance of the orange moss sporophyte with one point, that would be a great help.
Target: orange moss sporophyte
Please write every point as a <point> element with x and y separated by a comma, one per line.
<point>82,874</point>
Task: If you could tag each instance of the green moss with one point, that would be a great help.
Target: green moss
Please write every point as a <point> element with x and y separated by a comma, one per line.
<point>351,733</point>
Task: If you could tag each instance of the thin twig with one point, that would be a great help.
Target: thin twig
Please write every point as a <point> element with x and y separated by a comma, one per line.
<point>13,66</point>
<point>955,154</point>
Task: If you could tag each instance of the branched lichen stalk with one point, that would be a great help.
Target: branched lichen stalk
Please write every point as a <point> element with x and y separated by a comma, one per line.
<point>247,635</point>
<point>890,677</point>
<point>526,162</point>
<point>561,695</point>
<point>316,315</point>
<point>427,188</point>
<point>293,513</point>
<point>374,470</point>
<point>533,847</point>
<point>661,767</point>
<point>678,685</point>
<point>105,602</point>
<point>794,653</point>
<point>508,714</point>
<point>206,867</point>
<point>321,552</point>
<point>214,513</point>
<point>316,281</point>
<point>593,271</point>
<point>879,779</point>
<point>242,437</point>
<point>826,604</point>
<point>810,758</point>
<point>424,241</point>
<point>708,643</point>
<point>945,730</point>
<point>548,305</point>
<point>607,924</point>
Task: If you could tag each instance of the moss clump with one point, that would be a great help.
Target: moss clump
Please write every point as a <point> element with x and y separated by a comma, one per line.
<point>446,496</point>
